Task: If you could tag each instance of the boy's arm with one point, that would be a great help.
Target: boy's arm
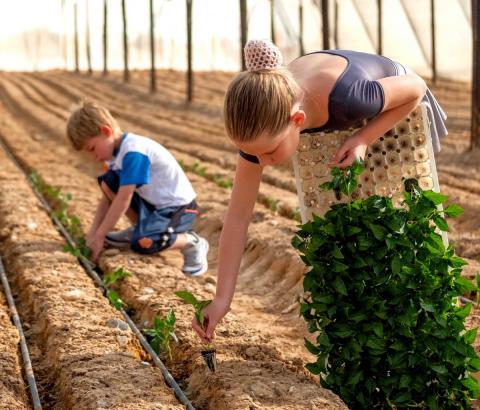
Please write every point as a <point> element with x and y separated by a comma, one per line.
<point>232,243</point>
<point>118,207</point>
<point>100,213</point>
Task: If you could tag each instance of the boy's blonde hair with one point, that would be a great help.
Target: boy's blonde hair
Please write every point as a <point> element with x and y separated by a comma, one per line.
<point>85,122</point>
<point>259,101</point>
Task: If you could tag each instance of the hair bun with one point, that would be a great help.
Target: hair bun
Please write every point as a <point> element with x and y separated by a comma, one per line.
<point>262,55</point>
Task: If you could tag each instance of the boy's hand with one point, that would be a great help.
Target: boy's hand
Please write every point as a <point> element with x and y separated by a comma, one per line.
<point>212,314</point>
<point>353,147</point>
<point>95,243</point>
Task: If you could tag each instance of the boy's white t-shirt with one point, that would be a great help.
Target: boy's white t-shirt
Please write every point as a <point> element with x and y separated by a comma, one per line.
<point>159,178</point>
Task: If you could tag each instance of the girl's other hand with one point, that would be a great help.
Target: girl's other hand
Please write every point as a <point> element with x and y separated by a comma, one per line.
<point>354,147</point>
<point>212,314</point>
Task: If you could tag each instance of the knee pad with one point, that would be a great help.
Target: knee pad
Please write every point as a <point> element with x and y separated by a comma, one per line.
<point>152,243</point>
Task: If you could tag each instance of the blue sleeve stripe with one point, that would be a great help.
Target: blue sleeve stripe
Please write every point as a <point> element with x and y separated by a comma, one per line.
<point>135,169</point>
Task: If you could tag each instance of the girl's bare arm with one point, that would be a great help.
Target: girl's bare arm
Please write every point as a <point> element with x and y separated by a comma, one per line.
<point>232,243</point>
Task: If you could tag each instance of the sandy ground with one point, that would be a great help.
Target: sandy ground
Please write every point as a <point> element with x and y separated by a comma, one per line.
<point>260,343</point>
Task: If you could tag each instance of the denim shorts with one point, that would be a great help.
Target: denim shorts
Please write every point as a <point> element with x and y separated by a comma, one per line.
<point>156,229</point>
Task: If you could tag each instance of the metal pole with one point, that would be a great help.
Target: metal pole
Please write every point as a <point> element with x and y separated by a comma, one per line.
<point>300,27</point>
<point>105,39</point>
<point>272,21</point>
<point>75,23</point>
<point>325,25</point>
<point>335,27</point>
<point>153,83</point>
<point>432,30</point>
<point>243,30</point>
<point>126,72</point>
<point>87,40</point>
<point>380,26</point>
<point>189,52</point>
<point>475,125</point>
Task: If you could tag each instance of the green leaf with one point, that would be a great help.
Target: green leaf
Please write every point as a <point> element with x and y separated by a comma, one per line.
<point>472,384</point>
<point>187,297</point>
<point>396,265</point>
<point>435,197</point>
<point>470,336</point>
<point>311,347</point>
<point>465,285</point>
<point>441,223</point>
<point>464,311</point>
<point>355,378</point>
<point>339,285</point>
<point>378,329</point>
<point>453,210</point>
<point>314,368</point>
<point>439,369</point>
<point>337,253</point>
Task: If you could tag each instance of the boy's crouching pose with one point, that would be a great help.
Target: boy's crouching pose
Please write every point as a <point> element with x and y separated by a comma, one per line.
<point>145,182</point>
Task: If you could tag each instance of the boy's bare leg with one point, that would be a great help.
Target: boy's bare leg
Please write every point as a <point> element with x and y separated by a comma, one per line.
<point>181,242</point>
<point>131,214</point>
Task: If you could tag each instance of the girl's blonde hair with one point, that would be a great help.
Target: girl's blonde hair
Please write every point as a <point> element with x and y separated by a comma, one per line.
<point>85,122</point>
<point>259,101</point>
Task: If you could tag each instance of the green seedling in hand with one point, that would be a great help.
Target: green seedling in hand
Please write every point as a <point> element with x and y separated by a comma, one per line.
<point>162,332</point>
<point>115,276</point>
<point>115,300</point>
<point>209,355</point>
<point>198,305</point>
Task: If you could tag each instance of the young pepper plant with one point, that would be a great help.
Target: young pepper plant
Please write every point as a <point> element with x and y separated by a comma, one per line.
<point>380,298</point>
<point>198,305</point>
<point>162,332</point>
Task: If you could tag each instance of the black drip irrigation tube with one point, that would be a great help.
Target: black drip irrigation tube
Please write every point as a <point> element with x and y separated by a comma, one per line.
<point>179,393</point>
<point>23,343</point>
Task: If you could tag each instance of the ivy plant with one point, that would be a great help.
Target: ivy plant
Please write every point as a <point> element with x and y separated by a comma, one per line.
<point>381,301</point>
<point>162,332</point>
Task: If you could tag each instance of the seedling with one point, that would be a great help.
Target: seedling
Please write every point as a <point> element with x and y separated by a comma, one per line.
<point>115,300</point>
<point>199,169</point>
<point>115,276</point>
<point>344,181</point>
<point>59,203</point>
<point>271,203</point>
<point>209,354</point>
<point>380,296</point>
<point>162,332</point>
<point>221,181</point>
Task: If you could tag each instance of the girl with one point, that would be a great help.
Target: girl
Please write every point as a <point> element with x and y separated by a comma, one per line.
<point>267,108</point>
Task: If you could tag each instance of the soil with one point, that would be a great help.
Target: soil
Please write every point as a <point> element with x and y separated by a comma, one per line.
<point>260,354</point>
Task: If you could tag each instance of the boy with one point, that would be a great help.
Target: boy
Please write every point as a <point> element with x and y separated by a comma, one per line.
<point>145,182</point>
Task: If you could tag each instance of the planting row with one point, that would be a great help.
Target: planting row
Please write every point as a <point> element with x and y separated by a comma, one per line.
<point>83,354</point>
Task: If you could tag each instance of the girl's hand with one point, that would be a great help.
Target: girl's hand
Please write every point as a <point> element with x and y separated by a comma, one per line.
<point>354,147</point>
<point>95,243</point>
<point>212,314</point>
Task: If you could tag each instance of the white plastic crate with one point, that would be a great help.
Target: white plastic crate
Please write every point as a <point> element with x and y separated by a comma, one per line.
<point>403,152</point>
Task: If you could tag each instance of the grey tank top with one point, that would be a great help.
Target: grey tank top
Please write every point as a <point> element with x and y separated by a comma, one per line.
<point>356,95</point>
